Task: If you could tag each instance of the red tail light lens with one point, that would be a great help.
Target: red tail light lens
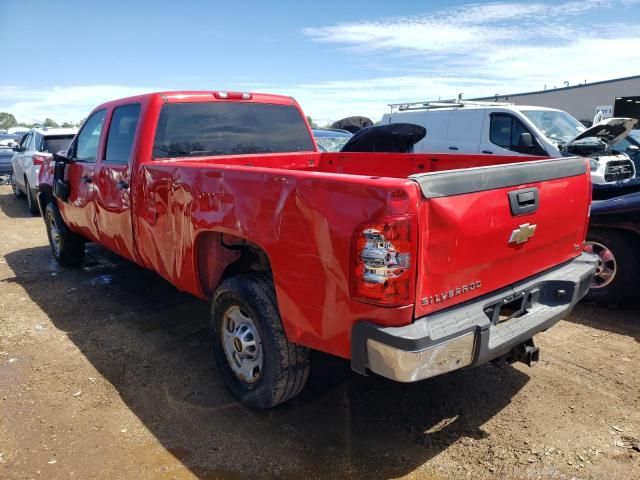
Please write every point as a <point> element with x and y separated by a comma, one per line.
<point>38,159</point>
<point>383,262</point>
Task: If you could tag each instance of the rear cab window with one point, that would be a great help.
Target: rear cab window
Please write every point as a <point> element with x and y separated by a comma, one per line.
<point>234,128</point>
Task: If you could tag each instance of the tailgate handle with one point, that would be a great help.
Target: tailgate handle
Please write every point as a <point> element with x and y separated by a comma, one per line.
<point>523,201</point>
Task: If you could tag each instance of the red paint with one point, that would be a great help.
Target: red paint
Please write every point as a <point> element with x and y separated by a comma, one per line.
<point>304,210</point>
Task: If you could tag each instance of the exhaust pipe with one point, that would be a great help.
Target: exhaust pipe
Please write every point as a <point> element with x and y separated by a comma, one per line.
<point>526,352</point>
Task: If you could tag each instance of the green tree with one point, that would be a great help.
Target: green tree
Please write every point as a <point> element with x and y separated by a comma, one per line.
<point>50,123</point>
<point>7,120</point>
<point>310,120</point>
<point>68,125</point>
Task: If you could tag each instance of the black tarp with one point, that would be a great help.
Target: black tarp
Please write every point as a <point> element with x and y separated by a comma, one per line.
<point>392,138</point>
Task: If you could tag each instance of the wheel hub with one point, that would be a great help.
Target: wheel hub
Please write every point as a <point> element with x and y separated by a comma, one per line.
<point>607,267</point>
<point>242,344</point>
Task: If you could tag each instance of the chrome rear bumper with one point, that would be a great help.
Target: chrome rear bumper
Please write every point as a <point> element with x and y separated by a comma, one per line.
<point>472,333</point>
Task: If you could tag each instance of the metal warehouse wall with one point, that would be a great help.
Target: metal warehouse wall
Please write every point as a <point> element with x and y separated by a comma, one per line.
<point>580,100</point>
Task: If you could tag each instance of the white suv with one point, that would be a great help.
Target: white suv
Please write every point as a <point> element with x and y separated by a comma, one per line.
<point>36,145</point>
<point>507,129</point>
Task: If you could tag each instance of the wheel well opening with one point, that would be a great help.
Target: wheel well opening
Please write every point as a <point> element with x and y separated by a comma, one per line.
<point>222,255</point>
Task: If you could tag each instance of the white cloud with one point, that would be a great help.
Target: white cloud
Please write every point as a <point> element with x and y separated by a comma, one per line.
<point>60,103</point>
<point>478,49</point>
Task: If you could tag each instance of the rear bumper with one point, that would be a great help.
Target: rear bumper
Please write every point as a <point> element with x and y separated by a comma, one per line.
<point>472,333</point>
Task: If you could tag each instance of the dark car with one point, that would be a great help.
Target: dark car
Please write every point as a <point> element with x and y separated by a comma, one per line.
<point>614,236</point>
<point>7,142</point>
<point>330,139</point>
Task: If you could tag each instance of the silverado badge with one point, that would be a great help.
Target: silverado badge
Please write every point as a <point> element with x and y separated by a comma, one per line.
<point>522,234</point>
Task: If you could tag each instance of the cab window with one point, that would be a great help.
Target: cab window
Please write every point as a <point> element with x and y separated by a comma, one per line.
<point>85,148</point>
<point>122,130</point>
<point>506,131</point>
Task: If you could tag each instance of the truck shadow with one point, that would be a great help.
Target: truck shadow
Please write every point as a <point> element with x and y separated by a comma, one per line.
<point>621,320</point>
<point>150,342</point>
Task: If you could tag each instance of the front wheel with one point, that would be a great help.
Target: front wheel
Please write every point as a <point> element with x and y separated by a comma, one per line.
<point>257,362</point>
<point>67,247</point>
<point>617,277</point>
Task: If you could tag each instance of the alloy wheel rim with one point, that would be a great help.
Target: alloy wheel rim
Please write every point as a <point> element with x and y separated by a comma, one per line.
<point>242,345</point>
<point>55,236</point>
<point>607,266</point>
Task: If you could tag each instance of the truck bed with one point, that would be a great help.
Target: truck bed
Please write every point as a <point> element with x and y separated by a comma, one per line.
<point>393,165</point>
<point>303,210</point>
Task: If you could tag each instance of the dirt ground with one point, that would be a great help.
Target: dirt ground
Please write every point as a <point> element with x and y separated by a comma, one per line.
<point>106,372</point>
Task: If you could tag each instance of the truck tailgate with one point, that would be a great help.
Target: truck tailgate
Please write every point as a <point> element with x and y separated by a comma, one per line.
<point>486,228</point>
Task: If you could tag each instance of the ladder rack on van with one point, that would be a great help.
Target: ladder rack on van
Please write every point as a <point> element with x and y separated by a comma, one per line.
<point>443,104</point>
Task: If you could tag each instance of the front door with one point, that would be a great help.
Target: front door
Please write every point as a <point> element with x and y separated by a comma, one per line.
<point>113,176</point>
<point>79,211</point>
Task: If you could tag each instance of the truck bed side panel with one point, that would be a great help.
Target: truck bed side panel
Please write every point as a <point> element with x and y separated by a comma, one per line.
<point>304,222</point>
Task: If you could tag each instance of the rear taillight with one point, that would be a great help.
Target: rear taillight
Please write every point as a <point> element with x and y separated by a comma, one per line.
<point>38,159</point>
<point>383,262</point>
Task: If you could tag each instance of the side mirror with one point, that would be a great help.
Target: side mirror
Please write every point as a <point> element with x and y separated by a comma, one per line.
<point>525,140</point>
<point>633,148</point>
<point>16,147</point>
<point>61,157</point>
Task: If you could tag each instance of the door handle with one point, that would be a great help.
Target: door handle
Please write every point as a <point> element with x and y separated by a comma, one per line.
<point>489,152</point>
<point>86,179</point>
<point>453,148</point>
<point>122,185</point>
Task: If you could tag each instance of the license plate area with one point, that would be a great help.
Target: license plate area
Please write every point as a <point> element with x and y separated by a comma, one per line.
<point>513,306</point>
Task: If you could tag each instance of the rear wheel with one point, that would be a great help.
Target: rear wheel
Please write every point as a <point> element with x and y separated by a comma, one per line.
<point>257,362</point>
<point>14,186</point>
<point>67,247</point>
<point>617,277</point>
<point>32,203</point>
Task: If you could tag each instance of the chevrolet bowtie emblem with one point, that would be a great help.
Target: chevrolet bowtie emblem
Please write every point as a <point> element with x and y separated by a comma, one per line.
<point>522,234</point>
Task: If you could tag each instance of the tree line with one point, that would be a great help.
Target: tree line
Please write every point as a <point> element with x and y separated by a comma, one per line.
<point>7,120</point>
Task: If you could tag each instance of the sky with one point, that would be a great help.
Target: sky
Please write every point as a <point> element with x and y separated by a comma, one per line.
<point>337,58</point>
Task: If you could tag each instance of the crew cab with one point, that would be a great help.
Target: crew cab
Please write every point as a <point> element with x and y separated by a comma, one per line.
<point>498,128</point>
<point>409,265</point>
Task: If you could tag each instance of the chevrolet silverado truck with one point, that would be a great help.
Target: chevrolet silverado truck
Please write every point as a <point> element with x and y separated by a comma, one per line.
<point>408,265</point>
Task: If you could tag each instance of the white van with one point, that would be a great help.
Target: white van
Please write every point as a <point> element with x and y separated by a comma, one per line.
<point>507,129</point>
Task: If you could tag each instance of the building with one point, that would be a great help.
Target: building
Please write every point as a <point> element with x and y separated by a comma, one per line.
<point>617,97</point>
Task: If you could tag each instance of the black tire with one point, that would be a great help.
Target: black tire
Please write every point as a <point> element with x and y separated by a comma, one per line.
<point>67,247</point>
<point>623,285</point>
<point>14,186</point>
<point>285,366</point>
<point>32,202</point>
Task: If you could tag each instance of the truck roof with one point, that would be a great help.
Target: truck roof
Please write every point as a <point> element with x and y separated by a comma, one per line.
<point>193,96</point>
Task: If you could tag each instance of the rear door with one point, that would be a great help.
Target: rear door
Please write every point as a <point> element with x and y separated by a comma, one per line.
<point>113,175</point>
<point>483,229</point>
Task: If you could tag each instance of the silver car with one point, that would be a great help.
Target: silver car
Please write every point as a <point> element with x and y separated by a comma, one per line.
<point>35,147</point>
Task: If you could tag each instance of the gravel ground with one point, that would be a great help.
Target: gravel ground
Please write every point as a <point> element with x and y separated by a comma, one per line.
<point>106,372</point>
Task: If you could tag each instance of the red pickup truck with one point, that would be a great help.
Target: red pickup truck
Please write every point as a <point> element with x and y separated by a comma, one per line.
<point>410,265</point>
